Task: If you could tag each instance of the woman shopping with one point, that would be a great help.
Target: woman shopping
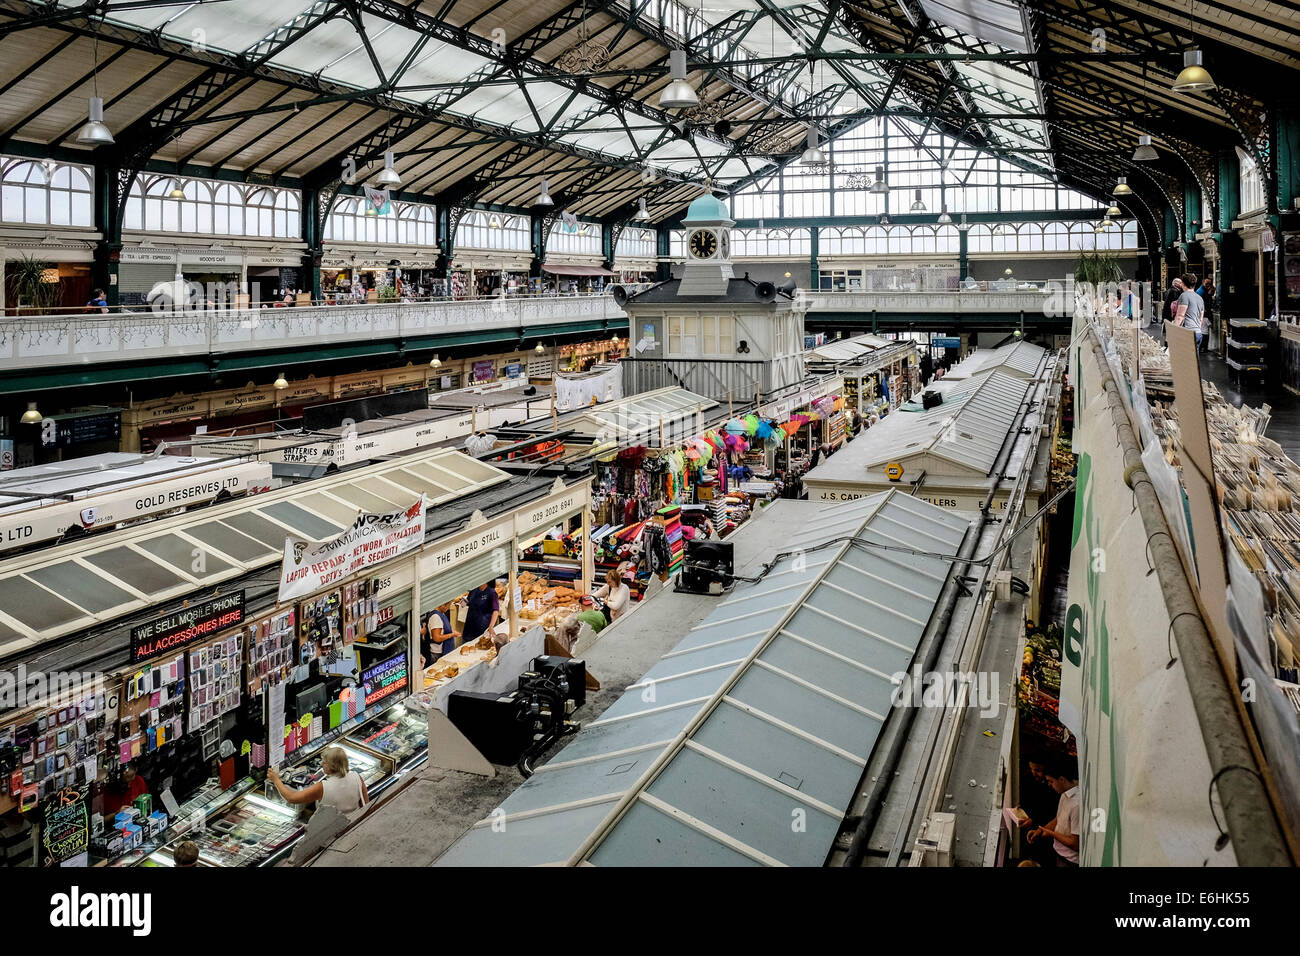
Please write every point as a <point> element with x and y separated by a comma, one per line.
<point>342,788</point>
<point>616,595</point>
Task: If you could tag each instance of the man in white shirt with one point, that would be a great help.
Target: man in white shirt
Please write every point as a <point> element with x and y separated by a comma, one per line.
<point>1064,827</point>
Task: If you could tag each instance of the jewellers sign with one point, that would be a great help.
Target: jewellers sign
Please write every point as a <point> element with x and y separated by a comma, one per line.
<point>311,566</point>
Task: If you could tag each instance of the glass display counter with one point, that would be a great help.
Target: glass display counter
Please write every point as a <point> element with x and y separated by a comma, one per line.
<point>399,733</point>
<point>249,833</point>
<point>373,768</point>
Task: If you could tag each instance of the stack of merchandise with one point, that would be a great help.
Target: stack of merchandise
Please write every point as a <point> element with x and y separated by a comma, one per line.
<point>546,603</point>
<point>672,519</point>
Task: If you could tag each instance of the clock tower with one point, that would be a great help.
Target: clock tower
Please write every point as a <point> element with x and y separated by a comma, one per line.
<point>708,248</point>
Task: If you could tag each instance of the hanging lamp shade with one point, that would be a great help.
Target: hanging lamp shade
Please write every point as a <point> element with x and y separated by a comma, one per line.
<point>435,362</point>
<point>1121,187</point>
<point>544,196</point>
<point>1114,210</point>
<point>884,220</point>
<point>177,191</point>
<point>879,187</point>
<point>813,155</point>
<point>641,211</point>
<point>388,178</point>
<point>678,94</point>
<point>32,416</point>
<point>917,204</point>
<point>1145,152</point>
<point>539,348</point>
<point>1194,78</point>
<point>95,133</point>
<point>281,382</point>
<point>963,226</point>
<point>944,218</point>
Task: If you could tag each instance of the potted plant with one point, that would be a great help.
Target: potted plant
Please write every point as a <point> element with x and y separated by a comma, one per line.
<point>387,293</point>
<point>32,285</point>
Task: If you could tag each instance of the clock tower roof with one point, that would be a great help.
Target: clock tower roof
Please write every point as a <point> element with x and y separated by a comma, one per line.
<point>708,209</point>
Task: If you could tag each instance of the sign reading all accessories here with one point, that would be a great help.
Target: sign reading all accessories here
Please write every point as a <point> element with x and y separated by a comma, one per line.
<point>384,680</point>
<point>311,566</point>
<point>178,628</point>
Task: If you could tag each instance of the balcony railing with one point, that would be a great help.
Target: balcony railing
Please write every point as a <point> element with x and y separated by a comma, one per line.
<point>961,301</point>
<point>40,341</point>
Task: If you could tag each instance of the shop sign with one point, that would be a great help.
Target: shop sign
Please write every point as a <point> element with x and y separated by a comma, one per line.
<point>549,511</point>
<point>384,680</point>
<point>514,370</point>
<point>63,431</point>
<point>268,259</point>
<point>406,438</point>
<point>65,824</point>
<point>54,520</point>
<point>351,384</point>
<point>465,546</point>
<point>173,631</point>
<point>311,566</point>
<point>154,256</point>
<point>242,399</point>
<point>946,342</point>
<point>211,257</point>
<point>893,471</point>
<point>484,371</point>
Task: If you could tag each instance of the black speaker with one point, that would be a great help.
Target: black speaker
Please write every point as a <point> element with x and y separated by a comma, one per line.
<point>931,399</point>
<point>765,291</point>
<point>788,286</point>
<point>490,722</point>
<point>722,127</point>
<point>620,295</point>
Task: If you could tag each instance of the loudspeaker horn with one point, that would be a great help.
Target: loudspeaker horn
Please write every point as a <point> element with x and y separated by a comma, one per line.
<point>788,286</point>
<point>620,295</point>
<point>765,291</point>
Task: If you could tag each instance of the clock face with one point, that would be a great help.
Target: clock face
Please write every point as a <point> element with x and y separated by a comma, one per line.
<point>703,244</point>
<point>726,245</point>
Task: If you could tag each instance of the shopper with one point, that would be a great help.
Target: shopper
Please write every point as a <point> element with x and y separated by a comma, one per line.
<point>97,302</point>
<point>342,788</point>
<point>484,610</point>
<point>1206,291</point>
<point>1176,288</point>
<point>1064,827</point>
<point>437,637</point>
<point>616,595</point>
<point>186,853</point>
<point>1189,309</point>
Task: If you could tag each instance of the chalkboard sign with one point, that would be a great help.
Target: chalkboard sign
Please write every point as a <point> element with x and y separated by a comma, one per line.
<point>65,825</point>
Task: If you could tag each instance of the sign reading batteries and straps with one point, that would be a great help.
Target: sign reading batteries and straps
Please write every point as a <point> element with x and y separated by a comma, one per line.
<point>311,566</point>
<point>175,630</point>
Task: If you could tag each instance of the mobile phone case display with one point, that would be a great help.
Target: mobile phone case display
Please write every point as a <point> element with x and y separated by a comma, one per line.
<point>309,727</point>
<point>320,628</point>
<point>213,679</point>
<point>55,748</point>
<point>360,610</point>
<point>397,733</point>
<point>270,650</point>
<point>151,711</point>
<point>247,833</point>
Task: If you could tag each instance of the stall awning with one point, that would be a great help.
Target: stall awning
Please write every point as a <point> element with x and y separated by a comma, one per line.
<point>562,270</point>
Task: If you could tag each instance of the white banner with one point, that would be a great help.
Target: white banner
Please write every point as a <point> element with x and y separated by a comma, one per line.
<point>311,566</point>
<point>1143,771</point>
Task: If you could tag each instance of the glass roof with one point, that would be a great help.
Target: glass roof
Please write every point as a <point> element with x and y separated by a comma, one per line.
<point>772,704</point>
<point>49,593</point>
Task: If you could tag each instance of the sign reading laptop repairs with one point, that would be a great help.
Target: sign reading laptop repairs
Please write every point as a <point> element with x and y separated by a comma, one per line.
<point>178,628</point>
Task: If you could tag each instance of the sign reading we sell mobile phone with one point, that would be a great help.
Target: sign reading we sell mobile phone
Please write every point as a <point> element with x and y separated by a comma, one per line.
<point>187,624</point>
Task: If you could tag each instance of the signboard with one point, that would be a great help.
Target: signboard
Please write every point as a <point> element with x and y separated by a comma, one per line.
<point>946,342</point>
<point>484,371</point>
<point>211,257</point>
<point>392,441</point>
<point>64,431</point>
<point>950,501</point>
<point>384,680</point>
<point>514,370</point>
<point>51,520</point>
<point>893,471</point>
<point>65,825</point>
<point>146,255</point>
<point>465,546</point>
<point>175,630</point>
<point>311,566</point>
<point>549,512</point>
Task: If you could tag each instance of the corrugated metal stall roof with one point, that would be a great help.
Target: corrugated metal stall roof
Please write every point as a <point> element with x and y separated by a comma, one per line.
<point>1021,359</point>
<point>77,586</point>
<point>637,413</point>
<point>768,709</point>
<point>851,349</point>
<point>971,438</point>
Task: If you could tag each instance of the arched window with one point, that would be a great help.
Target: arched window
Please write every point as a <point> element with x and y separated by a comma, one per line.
<point>636,243</point>
<point>1252,184</point>
<point>49,193</point>
<point>491,230</point>
<point>211,207</point>
<point>583,239</point>
<point>417,224</point>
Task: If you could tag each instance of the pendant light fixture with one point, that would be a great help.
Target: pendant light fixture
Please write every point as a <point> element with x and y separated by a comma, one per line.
<point>1114,210</point>
<point>944,218</point>
<point>539,348</point>
<point>435,362</point>
<point>95,133</point>
<point>544,196</point>
<point>1194,78</point>
<point>387,177</point>
<point>879,187</point>
<point>917,204</point>
<point>1121,187</point>
<point>281,382</point>
<point>1145,152</point>
<point>642,212</point>
<point>32,416</point>
<point>963,225</point>
<point>997,229</point>
<point>884,219</point>
<point>678,95</point>
<point>178,190</point>
<point>813,155</point>
<point>494,222</point>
